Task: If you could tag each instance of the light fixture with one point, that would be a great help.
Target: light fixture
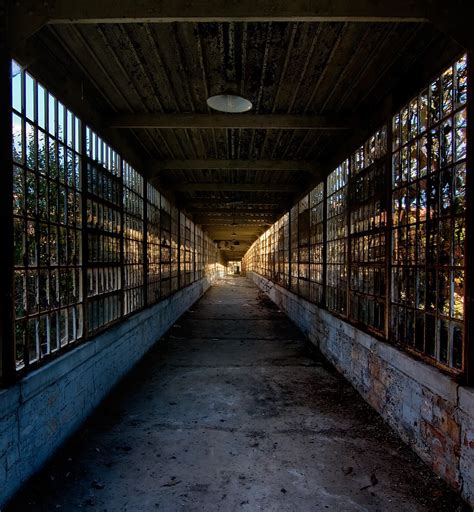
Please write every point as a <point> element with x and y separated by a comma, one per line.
<point>230,103</point>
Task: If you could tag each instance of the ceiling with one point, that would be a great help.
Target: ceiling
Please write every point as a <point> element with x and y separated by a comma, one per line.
<point>315,87</point>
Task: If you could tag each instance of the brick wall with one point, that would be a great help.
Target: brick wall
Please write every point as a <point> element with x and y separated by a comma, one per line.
<point>429,411</point>
<point>42,410</point>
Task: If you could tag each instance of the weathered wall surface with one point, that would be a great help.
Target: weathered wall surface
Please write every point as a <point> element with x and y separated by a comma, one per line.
<point>40,412</point>
<point>430,412</point>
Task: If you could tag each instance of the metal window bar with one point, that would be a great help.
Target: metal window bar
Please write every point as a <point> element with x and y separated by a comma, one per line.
<point>104,232</point>
<point>317,243</point>
<point>47,226</point>
<point>367,218</point>
<point>133,237</point>
<point>429,218</point>
<point>422,268</point>
<point>337,239</point>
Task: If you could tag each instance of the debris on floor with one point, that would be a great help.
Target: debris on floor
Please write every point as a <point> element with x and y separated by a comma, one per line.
<point>251,419</point>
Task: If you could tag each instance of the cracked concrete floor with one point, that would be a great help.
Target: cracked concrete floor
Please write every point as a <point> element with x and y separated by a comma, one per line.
<point>234,411</point>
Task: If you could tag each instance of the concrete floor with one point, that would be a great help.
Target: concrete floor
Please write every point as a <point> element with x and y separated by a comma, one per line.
<point>234,411</point>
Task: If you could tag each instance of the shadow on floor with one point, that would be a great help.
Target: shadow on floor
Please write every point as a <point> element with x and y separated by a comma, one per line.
<point>233,410</point>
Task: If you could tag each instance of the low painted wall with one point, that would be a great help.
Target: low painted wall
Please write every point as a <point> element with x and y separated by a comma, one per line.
<point>430,412</point>
<point>42,410</point>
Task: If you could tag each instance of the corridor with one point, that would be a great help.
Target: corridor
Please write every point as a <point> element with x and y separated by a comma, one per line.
<point>234,411</point>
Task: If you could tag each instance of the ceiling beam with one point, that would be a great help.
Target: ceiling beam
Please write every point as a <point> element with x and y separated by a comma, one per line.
<point>231,223</point>
<point>227,236</point>
<point>233,211</point>
<point>247,203</point>
<point>246,165</point>
<point>151,11</point>
<point>244,121</point>
<point>237,221</point>
<point>247,240</point>
<point>200,218</point>
<point>242,242</point>
<point>27,17</point>
<point>237,214</point>
<point>233,187</point>
<point>230,246</point>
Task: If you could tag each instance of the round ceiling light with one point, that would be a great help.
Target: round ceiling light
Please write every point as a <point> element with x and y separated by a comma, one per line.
<point>230,103</point>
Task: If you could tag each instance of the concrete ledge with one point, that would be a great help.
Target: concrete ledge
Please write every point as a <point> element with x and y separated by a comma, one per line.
<point>42,410</point>
<point>430,411</point>
<point>33,383</point>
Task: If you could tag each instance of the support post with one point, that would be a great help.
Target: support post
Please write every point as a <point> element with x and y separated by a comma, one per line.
<point>348,312</point>
<point>469,236</point>
<point>85,234</point>
<point>145,242</point>
<point>388,229</point>
<point>325,242</point>
<point>7,341</point>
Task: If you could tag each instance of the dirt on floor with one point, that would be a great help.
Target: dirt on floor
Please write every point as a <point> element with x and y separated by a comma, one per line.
<point>233,410</point>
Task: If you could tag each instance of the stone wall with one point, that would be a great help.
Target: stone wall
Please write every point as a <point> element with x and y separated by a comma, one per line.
<point>429,411</point>
<point>42,410</point>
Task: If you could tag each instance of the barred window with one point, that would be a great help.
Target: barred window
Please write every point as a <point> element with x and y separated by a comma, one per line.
<point>188,251</point>
<point>78,230</point>
<point>316,269</point>
<point>198,252</point>
<point>206,255</point>
<point>274,252</point>
<point>282,251</point>
<point>47,221</point>
<point>264,247</point>
<point>368,221</point>
<point>303,247</point>
<point>259,254</point>
<point>336,229</point>
<point>182,250</point>
<point>153,243</point>
<point>165,254</point>
<point>104,233</point>
<point>269,253</point>
<point>267,249</point>
<point>428,216</point>
<point>192,251</point>
<point>270,239</point>
<point>174,248</point>
<point>133,226</point>
<point>294,248</point>
<point>424,237</point>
